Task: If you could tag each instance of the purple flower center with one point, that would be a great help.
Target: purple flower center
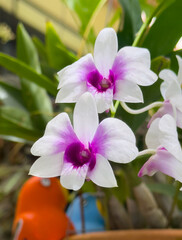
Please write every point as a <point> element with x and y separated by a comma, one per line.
<point>78,155</point>
<point>101,83</point>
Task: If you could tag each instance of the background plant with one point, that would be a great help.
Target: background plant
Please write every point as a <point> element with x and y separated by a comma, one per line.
<point>25,109</point>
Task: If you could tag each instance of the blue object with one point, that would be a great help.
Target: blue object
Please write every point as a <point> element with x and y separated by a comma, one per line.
<point>94,222</point>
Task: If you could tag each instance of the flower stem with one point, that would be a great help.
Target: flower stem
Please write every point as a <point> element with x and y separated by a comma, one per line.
<point>82,211</point>
<point>114,109</point>
<point>141,110</point>
<point>146,151</point>
<point>174,203</point>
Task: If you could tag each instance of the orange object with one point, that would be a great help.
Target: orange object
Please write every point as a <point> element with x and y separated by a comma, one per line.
<point>40,211</point>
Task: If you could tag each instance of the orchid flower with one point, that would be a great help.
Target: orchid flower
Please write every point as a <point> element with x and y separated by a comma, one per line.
<point>81,153</point>
<point>172,94</point>
<point>108,75</point>
<point>163,138</point>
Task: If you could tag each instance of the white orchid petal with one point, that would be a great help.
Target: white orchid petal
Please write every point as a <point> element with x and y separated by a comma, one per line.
<point>103,99</point>
<point>167,75</point>
<point>58,135</point>
<point>169,137</point>
<point>169,78</point>
<point>152,136</point>
<point>105,50</point>
<point>164,162</point>
<point>140,74</point>
<point>71,92</point>
<point>133,64</point>
<point>115,141</point>
<point>76,72</point>
<point>166,108</point>
<point>73,178</point>
<point>102,174</point>
<point>85,118</point>
<point>176,101</point>
<point>46,145</point>
<point>179,118</point>
<point>134,55</point>
<point>127,91</point>
<point>173,91</point>
<point>179,59</point>
<point>47,166</point>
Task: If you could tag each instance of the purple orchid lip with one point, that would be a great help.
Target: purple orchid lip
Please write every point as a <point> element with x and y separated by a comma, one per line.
<point>78,155</point>
<point>101,83</point>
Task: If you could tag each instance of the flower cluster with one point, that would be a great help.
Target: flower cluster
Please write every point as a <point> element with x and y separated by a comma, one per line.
<point>93,82</point>
<point>171,92</point>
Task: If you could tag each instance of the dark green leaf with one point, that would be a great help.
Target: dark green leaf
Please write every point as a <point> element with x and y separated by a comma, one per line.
<point>41,49</point>
<point>23,70</point>
<point>160,63</point>
<point>45,66</point>
<point>58,55</point>
<point>7,130</point>
<point>149,6</point>
<point>16,122</point>
<point>132,22</point>
<point>35,97</point>
<point>166,31</point>
<point>16,116</point>
<point>10,95</point>
<point>174,63</point>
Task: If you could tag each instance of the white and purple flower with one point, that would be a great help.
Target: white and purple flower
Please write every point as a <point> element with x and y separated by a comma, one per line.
<point>162,137</point>
<point>109,75</point>
<point>172,94</point>
<point>81,153</point>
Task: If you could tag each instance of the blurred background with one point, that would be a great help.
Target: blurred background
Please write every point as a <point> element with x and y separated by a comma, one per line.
<point>39,38</point>
<point>15,158</point>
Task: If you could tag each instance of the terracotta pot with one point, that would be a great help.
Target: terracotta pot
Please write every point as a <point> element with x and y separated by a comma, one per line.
<point>147,234</point>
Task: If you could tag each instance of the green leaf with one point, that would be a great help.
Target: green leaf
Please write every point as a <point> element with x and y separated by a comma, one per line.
<point>16,116</point>
<point>123,186</point>
<point>164,188</point>
<point>132,22</point>
<point>166,31</point>
<point>10,95</point>
<point>35,97</point>
<point>84,9</point>
<point>57,54</point>
<point>40,48</point>
<point>23,70</point>
<point>10,184</point>
<point>149,6</point>
<point>174,63</point>
<point>15,122</point>
<point>160,63</point>
<point>26,50</point>
<point>45,66</point>
<point>89,187</point>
